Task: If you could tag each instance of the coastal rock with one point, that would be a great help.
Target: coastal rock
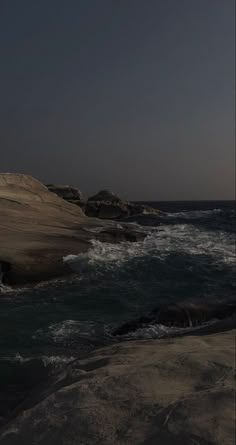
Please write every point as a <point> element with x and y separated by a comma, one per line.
<point>107,205</point>
<point>173,391</point>
<point>38,228</point>
<point>103,205</point>
<point>105,196</point>
<point>182,315</point>
<point>66,192</point>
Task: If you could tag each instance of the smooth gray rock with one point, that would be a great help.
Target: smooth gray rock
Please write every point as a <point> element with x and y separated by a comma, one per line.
<point>173,391</point>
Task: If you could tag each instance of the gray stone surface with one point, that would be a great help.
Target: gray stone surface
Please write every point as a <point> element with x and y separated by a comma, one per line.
<point>173,391</point>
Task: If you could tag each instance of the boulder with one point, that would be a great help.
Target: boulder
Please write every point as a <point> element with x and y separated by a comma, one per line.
<point>66,192</point>
<point>172,391</point>
<point>38,228</point>
<point>106,196</point>
<point>107,205</point>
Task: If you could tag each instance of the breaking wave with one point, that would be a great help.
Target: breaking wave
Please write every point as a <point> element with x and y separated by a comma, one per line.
<point>159,243</point>
<point>195,214</point>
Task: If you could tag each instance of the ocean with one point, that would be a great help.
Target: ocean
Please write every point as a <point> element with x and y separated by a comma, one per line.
<point>189,253</point>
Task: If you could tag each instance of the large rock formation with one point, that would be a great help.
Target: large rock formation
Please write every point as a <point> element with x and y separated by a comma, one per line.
<point>107,205</point>
<point>103,205</point>
<point>37,228</point>
<point>174,391</point>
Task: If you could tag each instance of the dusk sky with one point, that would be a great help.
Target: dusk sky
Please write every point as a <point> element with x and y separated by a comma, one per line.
<point>134,96</point>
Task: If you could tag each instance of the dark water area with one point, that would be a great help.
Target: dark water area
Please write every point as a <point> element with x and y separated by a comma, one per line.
<point>188,254</point>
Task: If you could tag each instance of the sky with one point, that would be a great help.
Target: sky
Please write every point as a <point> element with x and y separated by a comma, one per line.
<point>133,96</point>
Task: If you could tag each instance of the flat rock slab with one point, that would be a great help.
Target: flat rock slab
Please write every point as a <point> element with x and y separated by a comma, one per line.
<point>174,391</point>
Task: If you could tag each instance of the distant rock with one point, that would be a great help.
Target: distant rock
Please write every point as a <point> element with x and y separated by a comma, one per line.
<point>66,192</point>
<point>107,205</point>
<point>103,205</point>
<point>38,228</point>
<point>105,196</point>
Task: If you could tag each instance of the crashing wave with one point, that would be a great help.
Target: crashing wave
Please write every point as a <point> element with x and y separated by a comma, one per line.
<point>161,242</point>
<point>53,360</point>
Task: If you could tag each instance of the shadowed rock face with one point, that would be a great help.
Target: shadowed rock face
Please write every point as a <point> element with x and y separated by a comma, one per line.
<point>4,270</point>
<point>105,196</point>
<point>180,315</point>
<point>103,205</point>
<point>66,192</point>
<point>106,205</point>
<point>38,228</point>
<point>169,392</point>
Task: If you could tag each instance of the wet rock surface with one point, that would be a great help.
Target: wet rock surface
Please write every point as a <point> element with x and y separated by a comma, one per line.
<point>182,315</point>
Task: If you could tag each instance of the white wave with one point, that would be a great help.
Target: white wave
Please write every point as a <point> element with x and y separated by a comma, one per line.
<point>47,360</point>
<point>4,289</point>
<point>161,242</point>
<point>193,214</point>
<point>56,360</point>
<point>66,330</point>
<point>156,331</point>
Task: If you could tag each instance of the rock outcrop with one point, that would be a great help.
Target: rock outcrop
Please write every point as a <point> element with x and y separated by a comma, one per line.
<point>105,196</point>
<point>181,315</point>
<point>103,205</point>
<point>38,228</point>
<point>106,205</point>
<point>173,391</point>
<point>66,192</point>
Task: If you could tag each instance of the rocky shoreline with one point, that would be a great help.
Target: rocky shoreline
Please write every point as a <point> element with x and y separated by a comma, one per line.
<point>38,228</point>
<point>171,391</point>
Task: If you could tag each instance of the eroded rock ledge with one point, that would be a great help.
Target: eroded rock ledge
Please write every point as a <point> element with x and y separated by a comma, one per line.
<point>174,391</point>
<point>38,228</point>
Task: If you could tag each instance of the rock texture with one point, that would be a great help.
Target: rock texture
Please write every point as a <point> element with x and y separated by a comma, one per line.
<point>103,205</point>
<point>38,228</point>
<point>181,315</point>
<point>106,205</point>
<point>66,192</point>
<point>174,391</point>
<point>105,196</point>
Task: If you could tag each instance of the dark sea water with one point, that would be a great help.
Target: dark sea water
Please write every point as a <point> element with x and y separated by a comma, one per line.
<point>189,253</point>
